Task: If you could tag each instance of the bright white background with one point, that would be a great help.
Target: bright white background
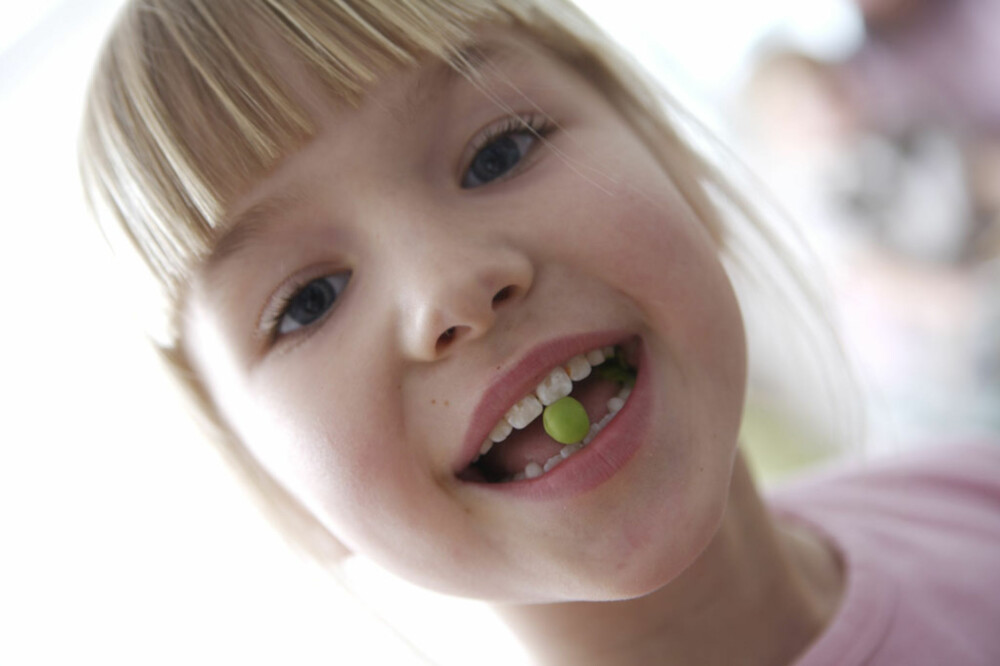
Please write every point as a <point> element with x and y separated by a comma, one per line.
<point>122,539</point>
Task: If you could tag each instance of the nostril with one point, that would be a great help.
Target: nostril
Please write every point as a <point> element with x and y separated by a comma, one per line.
<point>446,338</point>
<point>503,295</point>
<point>453,333</point>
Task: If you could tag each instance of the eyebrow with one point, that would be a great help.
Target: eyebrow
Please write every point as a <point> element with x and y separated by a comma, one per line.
<point>248,227</point>
<point>470,63</point>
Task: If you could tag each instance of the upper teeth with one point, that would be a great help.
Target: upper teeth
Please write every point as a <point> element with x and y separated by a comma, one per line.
<point>557,384</point>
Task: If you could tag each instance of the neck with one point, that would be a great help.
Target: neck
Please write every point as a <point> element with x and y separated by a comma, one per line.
<point>758,594</point>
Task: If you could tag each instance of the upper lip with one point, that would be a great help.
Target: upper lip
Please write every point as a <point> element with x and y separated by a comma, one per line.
<point>522,378</point>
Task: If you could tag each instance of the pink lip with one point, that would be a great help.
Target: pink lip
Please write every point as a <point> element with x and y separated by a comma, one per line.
<point>521,379</point>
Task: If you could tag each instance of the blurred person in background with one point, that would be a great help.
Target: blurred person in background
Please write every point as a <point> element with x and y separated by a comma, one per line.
<point>892,155</point>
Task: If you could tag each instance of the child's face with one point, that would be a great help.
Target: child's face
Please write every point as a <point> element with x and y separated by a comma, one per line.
<point>441,293</point>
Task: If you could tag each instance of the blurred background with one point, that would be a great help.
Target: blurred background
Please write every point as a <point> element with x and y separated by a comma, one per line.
<point>875,122</point>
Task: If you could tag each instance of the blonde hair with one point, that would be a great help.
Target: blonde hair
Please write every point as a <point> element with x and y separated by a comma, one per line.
<point>185,109</point>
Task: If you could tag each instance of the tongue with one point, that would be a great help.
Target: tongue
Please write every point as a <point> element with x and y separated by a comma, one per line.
<point>533,444</point>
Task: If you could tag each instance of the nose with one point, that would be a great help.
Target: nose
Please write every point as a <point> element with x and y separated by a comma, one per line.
<point>455,296</point>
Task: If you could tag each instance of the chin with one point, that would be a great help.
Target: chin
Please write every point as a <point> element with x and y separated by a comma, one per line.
<point>639,559</point>
<point>659,561</point>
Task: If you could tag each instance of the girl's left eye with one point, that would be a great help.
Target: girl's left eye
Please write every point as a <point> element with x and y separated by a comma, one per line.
<point>308,303</point>
<point>502,148</point>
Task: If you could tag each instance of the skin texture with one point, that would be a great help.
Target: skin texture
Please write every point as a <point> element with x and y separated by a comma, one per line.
<point>362,414</point>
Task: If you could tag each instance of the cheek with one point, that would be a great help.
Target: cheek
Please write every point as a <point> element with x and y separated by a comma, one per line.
<point>341,448</point>
<point>308,421</point>
<point>641,237</point>
<point>615,208</point>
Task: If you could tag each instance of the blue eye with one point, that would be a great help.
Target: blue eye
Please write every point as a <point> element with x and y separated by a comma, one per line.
<point>496,159</point>
<point>502,149</point>
<point>310,303</point>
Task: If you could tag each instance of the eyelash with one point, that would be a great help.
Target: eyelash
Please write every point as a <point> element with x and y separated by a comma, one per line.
<point>536,125</point>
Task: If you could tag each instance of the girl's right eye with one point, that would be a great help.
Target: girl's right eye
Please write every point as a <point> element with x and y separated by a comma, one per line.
<point>307,303</point>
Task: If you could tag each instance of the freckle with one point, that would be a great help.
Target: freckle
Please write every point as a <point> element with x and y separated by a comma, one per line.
<point>433,401</point>
<point>446,403</point>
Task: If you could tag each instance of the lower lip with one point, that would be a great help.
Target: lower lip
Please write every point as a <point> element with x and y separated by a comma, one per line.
<point>600,460</point>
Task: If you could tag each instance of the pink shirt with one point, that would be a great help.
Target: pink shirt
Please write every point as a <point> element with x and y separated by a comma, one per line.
<point>920,544</point>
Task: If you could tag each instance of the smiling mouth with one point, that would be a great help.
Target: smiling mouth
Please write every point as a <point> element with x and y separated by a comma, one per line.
<point>519,448</point>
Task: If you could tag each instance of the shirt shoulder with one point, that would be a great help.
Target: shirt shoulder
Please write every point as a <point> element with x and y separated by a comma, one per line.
<point>919,540</point>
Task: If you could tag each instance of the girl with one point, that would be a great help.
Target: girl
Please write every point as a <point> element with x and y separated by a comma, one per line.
<point>448,282</point>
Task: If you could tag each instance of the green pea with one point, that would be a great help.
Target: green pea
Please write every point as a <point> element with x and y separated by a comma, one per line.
<point>566,420</point>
